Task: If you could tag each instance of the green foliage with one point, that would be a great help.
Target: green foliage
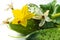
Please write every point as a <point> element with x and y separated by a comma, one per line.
<point>45,34</point>
<point>54,9</point>
<point>56,15</point>
<point>56,19</point>
<point>48,25</point>
<point>49,6</point>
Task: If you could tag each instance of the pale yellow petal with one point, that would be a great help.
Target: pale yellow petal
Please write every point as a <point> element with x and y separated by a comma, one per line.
<point>46,13</point>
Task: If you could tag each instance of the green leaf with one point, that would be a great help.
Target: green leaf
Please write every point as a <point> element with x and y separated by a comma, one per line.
<point>56,19</point>
<point>56,10</point>
<point>45,34</point>
<point>58,26</point>
<point>50,6</point>
<point>56,15</point>
<point>48,25</point>
<point>31,27</point>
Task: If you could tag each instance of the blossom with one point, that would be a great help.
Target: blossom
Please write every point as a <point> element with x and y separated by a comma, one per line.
<point>39,15</point>
<point>43,17</point>
<point>21,16</point>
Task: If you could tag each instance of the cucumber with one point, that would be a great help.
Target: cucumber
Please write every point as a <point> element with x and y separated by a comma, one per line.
<point>32,26</point>
<point>45,34</point>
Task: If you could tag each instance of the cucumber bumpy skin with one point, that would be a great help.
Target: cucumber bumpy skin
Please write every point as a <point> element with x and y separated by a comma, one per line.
<point>45,34</point>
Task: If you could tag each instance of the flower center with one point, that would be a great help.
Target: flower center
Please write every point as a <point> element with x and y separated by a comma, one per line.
<point>12,8</point>
<point>43,17</point>
<point>18,22</point>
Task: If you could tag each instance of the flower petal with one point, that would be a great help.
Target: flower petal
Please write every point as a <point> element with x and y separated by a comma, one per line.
<point>46,13</point>
<point>48,19</point>
<point>16,13</point>
<point>15,21</point>
<point>37,17</point>
<point>21,16</point>
<point>42,23</point>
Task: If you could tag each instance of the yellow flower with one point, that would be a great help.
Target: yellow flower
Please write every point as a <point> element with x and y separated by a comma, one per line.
<point>21,16</point>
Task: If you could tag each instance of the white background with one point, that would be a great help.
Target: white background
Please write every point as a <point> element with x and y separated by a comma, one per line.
<point>4,31</point>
